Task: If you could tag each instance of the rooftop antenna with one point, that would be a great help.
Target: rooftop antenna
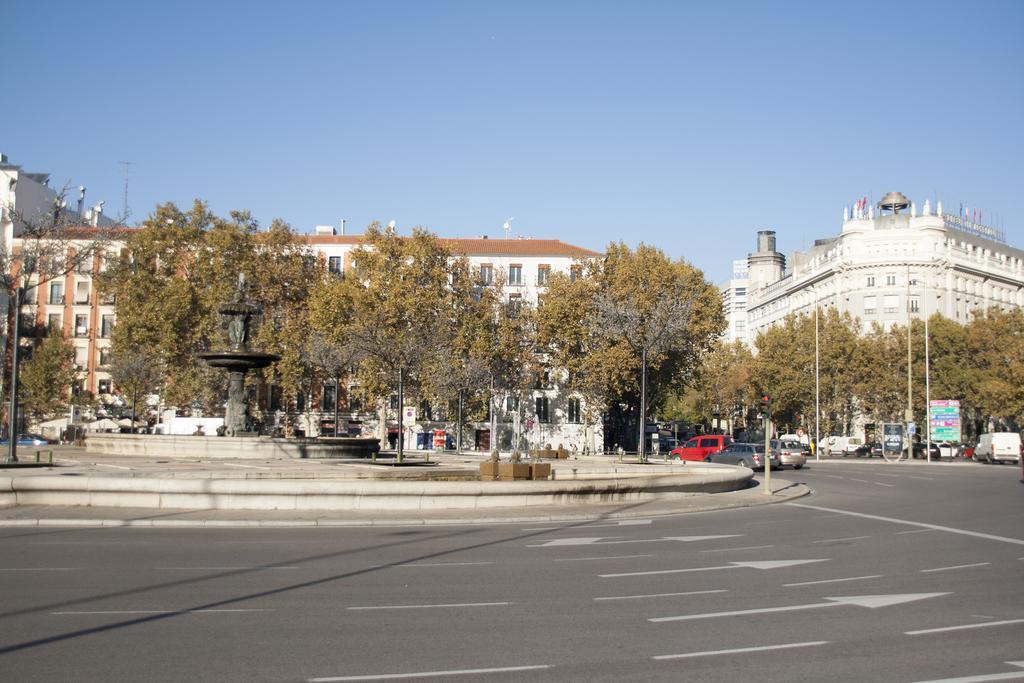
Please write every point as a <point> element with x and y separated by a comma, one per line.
<point>508,226</point>
<point>126,165</point>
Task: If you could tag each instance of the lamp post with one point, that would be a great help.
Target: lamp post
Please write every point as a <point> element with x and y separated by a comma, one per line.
<point>817,380</point>
<point>909,415</point>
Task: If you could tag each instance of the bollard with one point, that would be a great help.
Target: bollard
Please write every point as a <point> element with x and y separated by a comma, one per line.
<point>37,456</point>
<point>49,457</point>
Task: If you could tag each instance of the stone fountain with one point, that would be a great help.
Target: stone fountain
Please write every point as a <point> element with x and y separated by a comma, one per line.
<point>237,318</point>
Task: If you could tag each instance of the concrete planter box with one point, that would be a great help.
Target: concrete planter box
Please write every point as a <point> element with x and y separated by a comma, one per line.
<point>540,470</point>
<point>488,471</point>
<point>513,470</point>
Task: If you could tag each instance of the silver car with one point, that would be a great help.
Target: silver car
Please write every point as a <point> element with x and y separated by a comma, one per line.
<point>745,455</point>
<point>791,453</point>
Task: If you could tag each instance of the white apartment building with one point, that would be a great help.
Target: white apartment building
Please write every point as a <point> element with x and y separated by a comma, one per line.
<point>886,267</point>
<point>734,302</point>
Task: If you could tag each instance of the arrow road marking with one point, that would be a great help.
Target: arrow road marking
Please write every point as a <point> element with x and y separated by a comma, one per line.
<point>763,564</point>
<point>599,540</point>
<point>981,678</point>
<point>870,601</point>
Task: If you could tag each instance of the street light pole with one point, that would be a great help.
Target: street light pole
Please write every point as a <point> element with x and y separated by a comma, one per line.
<point>927,386</point>
<point>909,416</point>
<point>12,414</point>
<point>643,403</point>
<point>817,384</point>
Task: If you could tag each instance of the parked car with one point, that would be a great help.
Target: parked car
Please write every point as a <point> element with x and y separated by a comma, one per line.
<point>920,450</point>
<point>791,453</point>
<point>998,447</point>
<point>950,450</point>
<point>30,440</point>
<point>700,447</point>
<point>745,455</point>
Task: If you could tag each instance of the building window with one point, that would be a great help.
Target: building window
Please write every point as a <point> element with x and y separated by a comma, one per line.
<point>82,325</point>
<point>53,321</point>
<point>512,404</point>
<point>82,357</point>
<point>890,280</point>
<point>327,400</point>
<point>515,274</point>
<point>870,305</point>
<point>741,291</point>
<point>103,386</point>
<point>82,293</point>
<point>486,274</point>
<point>105,356</point>
<point>56,293</point>
<point>915,304</point>
<point>334,265</point>
<point>575,273</point>
<point>891,303</point>
<point>106,325</point>
<point>542,409</point>
<point>515,304</point>
<point>871,280</point>
<point>543,274</point>
<point>573,410</point>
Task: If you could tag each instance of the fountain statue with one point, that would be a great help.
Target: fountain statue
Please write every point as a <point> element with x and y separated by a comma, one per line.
<point>237,316</point>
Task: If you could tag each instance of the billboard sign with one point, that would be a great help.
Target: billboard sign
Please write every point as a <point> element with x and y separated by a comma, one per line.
<point>892,438</point>
<point>944,420</point>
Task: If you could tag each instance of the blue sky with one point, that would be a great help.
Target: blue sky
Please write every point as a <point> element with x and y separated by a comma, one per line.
<point>687,126</point>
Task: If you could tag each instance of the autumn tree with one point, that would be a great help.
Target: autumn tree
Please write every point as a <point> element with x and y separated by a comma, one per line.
<point>47,377</point>
<point>393,306</point>
<point>637,319</point>
<point>136,374</point>
<point>180,267</point>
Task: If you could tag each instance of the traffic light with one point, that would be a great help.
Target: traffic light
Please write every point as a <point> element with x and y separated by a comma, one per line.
<point>766,404</point>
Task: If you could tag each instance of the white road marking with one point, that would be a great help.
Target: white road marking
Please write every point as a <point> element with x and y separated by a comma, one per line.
<point>216,569</point>
<point>747,547</point>
<point>248,467</point>
<point>913,531</point>
<point>834,540</point>
<point>863,481</point>
<point>762,648</point>
<point>607,557</point>
<point>444,564</point>
<point>454,604</point>
<point>116,467</point>
<point>925,478</point>
<point>600,540</point>
<point>167,611</point>
<point>429,674</point>
<point>662,595</point>
<point>761,564</point>
<point>878,483</point>
<point>959,566</point>
<point>852,578</point>
<point>964,627</point>
<point>40,569</point>
<point>831,476</point>
<point>981,678</point>
<point>891,476</point>
<point>936,527</point>
<point>624,522</point>
<point>870,601</point>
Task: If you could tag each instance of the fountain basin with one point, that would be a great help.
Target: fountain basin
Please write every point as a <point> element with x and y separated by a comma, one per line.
<point>238,360</point>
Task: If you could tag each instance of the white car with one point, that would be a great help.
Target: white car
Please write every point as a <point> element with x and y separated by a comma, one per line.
<point>840,445</point>
<point>948,449</point>
<point>998,447</point>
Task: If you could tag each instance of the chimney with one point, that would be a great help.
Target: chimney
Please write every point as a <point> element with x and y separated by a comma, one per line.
<point>342,226</point>
<point>81,200</point>
<point>96,212</point>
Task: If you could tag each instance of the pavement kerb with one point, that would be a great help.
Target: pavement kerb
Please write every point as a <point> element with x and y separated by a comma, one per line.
<point>666,505</point>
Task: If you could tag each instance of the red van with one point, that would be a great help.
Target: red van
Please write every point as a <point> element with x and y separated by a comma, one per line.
<point>700,447</point>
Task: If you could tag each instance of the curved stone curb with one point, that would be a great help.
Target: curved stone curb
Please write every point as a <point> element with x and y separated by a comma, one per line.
<point>666,505</point>
<point>356,495</point>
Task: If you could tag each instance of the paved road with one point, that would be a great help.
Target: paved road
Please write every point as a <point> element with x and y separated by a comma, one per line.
<point>908,572</point>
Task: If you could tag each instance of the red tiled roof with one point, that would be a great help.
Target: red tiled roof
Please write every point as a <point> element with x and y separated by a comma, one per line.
<point>476,246</point>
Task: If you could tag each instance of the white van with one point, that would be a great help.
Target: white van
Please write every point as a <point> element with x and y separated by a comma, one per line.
<point>997,447</point>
